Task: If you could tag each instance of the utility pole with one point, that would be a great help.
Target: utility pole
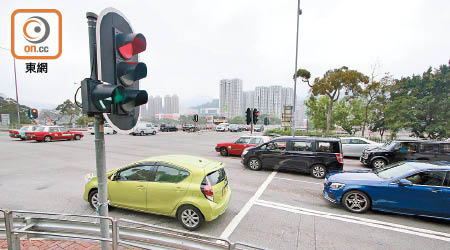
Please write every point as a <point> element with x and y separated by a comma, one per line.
<point>17,93</point>
<point>102,209</point>
<point>299,12</point>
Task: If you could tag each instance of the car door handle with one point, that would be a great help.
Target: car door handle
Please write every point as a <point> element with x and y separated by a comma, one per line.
<point>436,190</point>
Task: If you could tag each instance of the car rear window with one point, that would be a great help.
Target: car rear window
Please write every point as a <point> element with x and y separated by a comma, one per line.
<point>429,148</point>
<point>329,147</point>
<point>217,176</point>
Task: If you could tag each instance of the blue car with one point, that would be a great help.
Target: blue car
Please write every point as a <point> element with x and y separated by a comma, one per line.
<point>409,187</point>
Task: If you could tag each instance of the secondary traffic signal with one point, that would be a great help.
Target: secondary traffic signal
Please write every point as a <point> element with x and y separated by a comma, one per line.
<point>32,113</point>
<point>255,116</point>
<point>248,116</point>
<point>266,121</point>
<point>119,69</point>
<point>195,119</point>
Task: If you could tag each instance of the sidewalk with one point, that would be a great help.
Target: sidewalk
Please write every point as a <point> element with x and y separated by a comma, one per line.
<point>38,244</point>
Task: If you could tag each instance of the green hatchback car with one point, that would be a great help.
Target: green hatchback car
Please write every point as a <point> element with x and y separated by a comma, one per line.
<point>189,188</point>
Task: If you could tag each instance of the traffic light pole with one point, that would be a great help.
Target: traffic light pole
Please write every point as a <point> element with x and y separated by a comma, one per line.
<point>102,209</point>
<point>251,123</point>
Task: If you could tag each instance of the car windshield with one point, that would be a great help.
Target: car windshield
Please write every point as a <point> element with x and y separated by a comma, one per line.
<point>40,129</point>
<point>389,145</point>
<point>23,128</point>
<point>394,170</point>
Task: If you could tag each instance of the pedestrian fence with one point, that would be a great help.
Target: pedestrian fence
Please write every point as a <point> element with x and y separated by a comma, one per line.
<point>122,232</point>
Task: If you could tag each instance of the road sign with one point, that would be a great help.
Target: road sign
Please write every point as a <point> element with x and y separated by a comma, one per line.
<point>5,120</point>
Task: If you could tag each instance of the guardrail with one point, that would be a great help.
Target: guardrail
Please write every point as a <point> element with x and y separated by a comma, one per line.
<point>19,224</point>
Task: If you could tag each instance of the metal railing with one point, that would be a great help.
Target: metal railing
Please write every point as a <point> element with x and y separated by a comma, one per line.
<point>28,224</point>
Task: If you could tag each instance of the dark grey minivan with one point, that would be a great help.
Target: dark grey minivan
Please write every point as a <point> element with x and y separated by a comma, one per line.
<point>316,156</point>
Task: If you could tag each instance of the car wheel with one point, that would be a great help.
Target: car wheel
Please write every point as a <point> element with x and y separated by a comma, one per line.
<point>142,133</point>
<point>77,137</point>
<point>318,171</point>
<point>356,201</point>
<point>114,132</point>
<point>47,138</point>
<point>154,133</point>
<point>93,199</point>
<point>92,133</point>
<point>223,151</point>
<point>190,217</point>
<point>254,163</point>
<point>22,139</point>
<point>378,163</point>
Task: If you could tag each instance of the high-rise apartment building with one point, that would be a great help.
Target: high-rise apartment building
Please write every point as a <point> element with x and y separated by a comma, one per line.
<point>175,104</point>
<point>248,100</point>
<point>167,104</point>
<point>230,101</point>
<point>271,100</point>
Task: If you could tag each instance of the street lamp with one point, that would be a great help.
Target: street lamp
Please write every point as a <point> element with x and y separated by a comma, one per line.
<point>17,94</point>
<point>299,12</point>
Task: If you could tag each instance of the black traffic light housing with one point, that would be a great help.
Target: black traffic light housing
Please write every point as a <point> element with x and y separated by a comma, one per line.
<point>33,113</point>
<point>266,121</point>
<point>119,71</point>
<point>195,118</point>
<point>248,116</point>
<point>255,116</point>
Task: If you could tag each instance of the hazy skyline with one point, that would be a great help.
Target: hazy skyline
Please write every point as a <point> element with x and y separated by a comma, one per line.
<point>192,45</point>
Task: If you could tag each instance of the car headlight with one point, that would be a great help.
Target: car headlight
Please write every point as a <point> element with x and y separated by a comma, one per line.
<point>88,177</point>
<point>337,185</point>
<point>245,151</point>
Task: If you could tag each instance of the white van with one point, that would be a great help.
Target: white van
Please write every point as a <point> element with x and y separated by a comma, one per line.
<point>107,129</point>
<point>144,129</point>
<point>223,127</point>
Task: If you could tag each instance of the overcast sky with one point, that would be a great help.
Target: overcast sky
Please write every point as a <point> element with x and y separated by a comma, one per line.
<point>192,45</point>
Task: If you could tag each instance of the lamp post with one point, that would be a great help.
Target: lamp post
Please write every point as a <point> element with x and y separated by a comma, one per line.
<point>299,12</point>
<point>17,94</point>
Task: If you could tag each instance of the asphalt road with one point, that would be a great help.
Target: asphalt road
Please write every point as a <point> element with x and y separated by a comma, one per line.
<point>274,210</point>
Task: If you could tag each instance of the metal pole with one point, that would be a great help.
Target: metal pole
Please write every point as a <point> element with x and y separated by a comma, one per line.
<point>295,74</point>
<point>102,209</point>
<point>17,93</point>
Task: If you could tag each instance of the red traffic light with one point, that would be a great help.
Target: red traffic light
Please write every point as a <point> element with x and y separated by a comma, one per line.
<point>130,44</point>
<point>34,111</point>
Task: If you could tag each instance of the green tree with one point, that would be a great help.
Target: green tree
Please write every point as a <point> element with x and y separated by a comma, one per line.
<point>69,108</point>
<point>331,85</point>
<point>237,120</point>
<point>84,120</point>
<point>378,114</point>
<point>9,106</point>
<point>422,103</point>
<point>316,111</point>
<point>349,114</point>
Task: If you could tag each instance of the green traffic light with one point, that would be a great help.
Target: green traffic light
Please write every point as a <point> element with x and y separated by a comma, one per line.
<point>119,96</point>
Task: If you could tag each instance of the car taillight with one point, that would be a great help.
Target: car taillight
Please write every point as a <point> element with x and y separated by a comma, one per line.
<point>340,158</point>
<point>207,189</point>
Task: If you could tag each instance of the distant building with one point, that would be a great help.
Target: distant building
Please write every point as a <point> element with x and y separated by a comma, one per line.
<point>209,111</point>
<point>230,101</point>
<point>271,100</point>
<point>167,105</point>
<point>247,100</point>
<point>154,106</point>
<point>175,105</point>
<point>298,116</point>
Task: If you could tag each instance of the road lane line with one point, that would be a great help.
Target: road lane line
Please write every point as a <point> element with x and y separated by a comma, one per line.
<point>310,182</point>
<point>237,219</point>
<point>358,220</point>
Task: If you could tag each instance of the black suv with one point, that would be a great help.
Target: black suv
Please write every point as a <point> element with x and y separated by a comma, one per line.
<point>316,156</point>
<point>167,128</point>
<point>405,150</point>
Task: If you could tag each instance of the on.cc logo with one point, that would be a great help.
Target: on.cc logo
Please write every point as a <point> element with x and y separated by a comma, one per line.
<point>36,29</point>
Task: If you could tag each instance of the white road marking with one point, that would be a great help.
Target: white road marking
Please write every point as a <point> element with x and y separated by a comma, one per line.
<point>237,219</point>
<point>309,182</point>
<point>358,220</point>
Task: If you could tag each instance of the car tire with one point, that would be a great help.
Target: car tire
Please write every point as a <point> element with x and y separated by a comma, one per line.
<point>47,138</point>
<point>134,134</point>
<point>356,201</point>
<point>77,137</point>
<point>93,198</point>
<point>223,151</point>
<point>154,133</point>
<point>142,133</point>
<point>378,163</point>
<point>114,132</point>
<point>190,217</point>
<point>92,133</point>
<point>22,139</point>
<point>254,164</point>
<point>318,171</point>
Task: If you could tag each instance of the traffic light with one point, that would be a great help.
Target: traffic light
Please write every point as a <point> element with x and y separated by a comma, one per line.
<point>32,113</point>
<point>119,71</point>
<point>195,119</point>
<point>248,116</point>
<point>266,121</point>
<point>255,116</point>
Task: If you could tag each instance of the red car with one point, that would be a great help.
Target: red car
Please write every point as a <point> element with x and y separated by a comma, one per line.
<point>14,133</point>
<point>20,133</point>
<point>237,147</point>
<point>49,133</point>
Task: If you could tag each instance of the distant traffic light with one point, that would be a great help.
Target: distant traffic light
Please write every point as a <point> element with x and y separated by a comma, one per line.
<point>117,92</point>
<point>255,116</point>
<point>195,119</point>
<point>248,116</point>
<point>266,121</point>
<point>33,113</point>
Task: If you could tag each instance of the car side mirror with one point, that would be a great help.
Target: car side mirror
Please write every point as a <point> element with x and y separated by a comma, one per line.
<point>404,183</point>
<point>114,177</point>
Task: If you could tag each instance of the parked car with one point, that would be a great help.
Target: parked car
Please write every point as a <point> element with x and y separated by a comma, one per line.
<point>49,133</point>
<point>168,128</point>
<point>258,128</point>
<point>222,127</point>
<point>20,133</point>
<point>316,156</point>
<point>190,128</point>
<point>402,150</point>
<point>354,146</point>
<point>237,147</point>
<point>106,129</point>
<point>189,188</point>
<point>144,128</point>
<point>408,187</point>
<point>235,128</point>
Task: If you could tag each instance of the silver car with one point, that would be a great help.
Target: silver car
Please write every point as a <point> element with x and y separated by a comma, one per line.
<point>354,146</point>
